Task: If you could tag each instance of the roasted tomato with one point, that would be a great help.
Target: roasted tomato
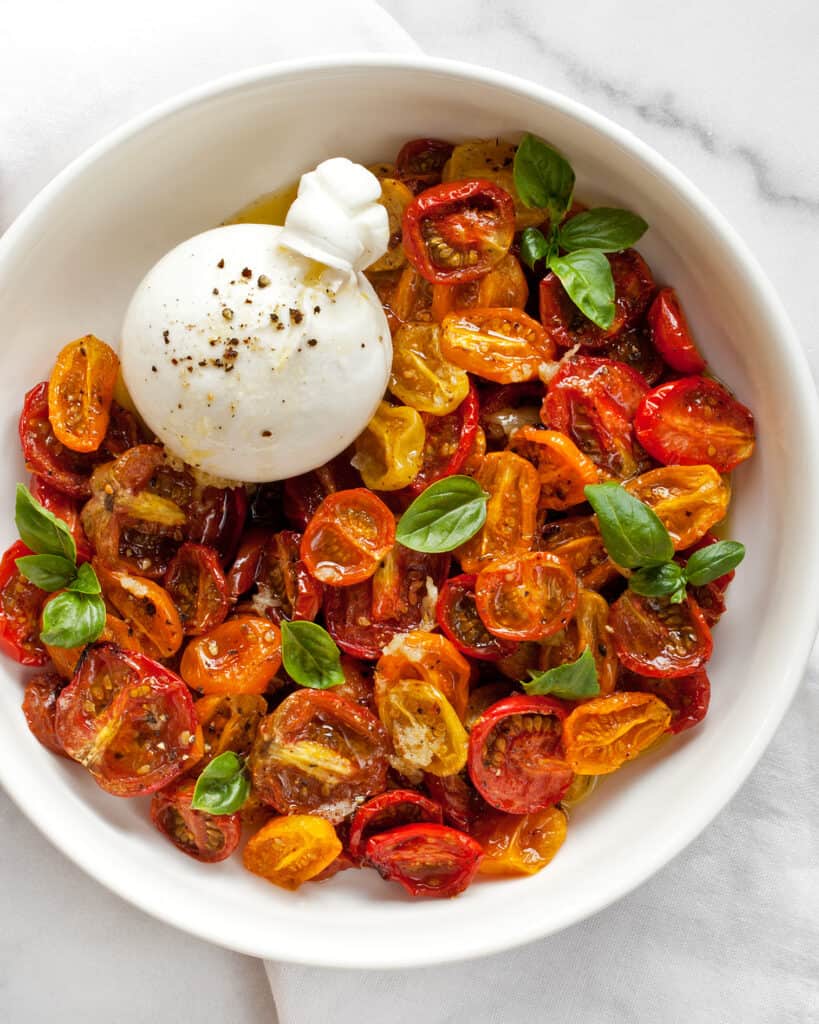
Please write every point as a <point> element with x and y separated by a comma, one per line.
<point>408,300</point>
<point>502,345</point>
<point>687,697</point>
<point>567,326</point>
<point>21,604</point>
<point>693,421</point>
<point>80,393</point>
<point>513,487</point>
<point>504,286</point>
<point>493,159</point>
<point>347,537</point>
<point>458,799</point>
<point>242,575</point>
<point>40,708</point>
<point>507,408</point>
<point>420,161</point>
<point>285,590</point>
<point>289,851</point>
<point>457,615</point>
<point>688,500</point>
<point>564,471</point>
<point>635,348</point>
<point>582,787</point>
<point>520,845</point>
<point>710,596</point>
<point>421,376</point>
<point>197,587</point>
<point>389,810</point>
<point>426,859</point>
<point>358,685</point>
<point>148,607</point>
<point>49,458</point>
<point>424,728</point>
<point>474,459</point>
<point>516,759</point>
<point>64,508</point>
<point>216,517</point>
<point>206,837</point>
<point>603,733</point>
<point>577,540</point>
<point>671,334</point>
<point>303,494</point>
<point>395,198</point>
<point>448,442</point>
<point>389,452</point>
<point>482,697</point>
<point>319,753</point>
<point>429,657</point>
<point>229,722</point>
<point>241,655</point>
<point>115,631</point>
<point>588,629</point>
<point>526,597</point>
<point>458,231</point>
<point>656,638</point>
<point>127,719</point>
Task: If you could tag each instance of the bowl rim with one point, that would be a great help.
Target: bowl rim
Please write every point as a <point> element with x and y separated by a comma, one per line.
<point>806,409</point>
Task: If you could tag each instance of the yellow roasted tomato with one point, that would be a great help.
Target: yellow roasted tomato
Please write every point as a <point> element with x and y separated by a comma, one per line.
<point>395,198</point>
<point>603,733</point>
<point>424,728</point>
<point>291,850</point>
<point>688,500</point>
<point>520,844</point>
<point>421,377</point>
<point>390,451</point>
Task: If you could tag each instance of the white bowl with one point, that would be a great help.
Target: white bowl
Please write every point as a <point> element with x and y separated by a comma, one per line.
<point>68,266</point>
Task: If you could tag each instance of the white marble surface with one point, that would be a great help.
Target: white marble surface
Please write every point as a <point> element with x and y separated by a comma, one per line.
<point>728,93</point>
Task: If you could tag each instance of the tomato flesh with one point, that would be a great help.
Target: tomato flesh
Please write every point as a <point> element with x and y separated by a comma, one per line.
<point>209,838</point>
<point>449,440</point>
<point>458,618</point>
<point>197,587</point>
<point>347,537</point>
<point>656,638</point>
<point>528,597</point>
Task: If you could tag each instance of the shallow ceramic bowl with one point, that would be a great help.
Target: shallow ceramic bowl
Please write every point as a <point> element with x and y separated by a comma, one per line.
<point>68,266</point>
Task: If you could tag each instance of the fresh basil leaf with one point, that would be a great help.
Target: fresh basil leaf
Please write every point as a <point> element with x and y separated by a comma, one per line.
<point>679,594</point>
<point>708,564</point>
<point>534,246</point>
<point>40,529</point>
<point>48,572</point>
<point>658,581</point>
<point>586,276</point>
<point>223,786</point>
<point>86,581</point>
<point>310,656</point>
<point>632,533</point>
<point>443,516</point>
<point>576,680</point>
<point>603,228</point>
<point>543,178</point>
<point>71,619</point>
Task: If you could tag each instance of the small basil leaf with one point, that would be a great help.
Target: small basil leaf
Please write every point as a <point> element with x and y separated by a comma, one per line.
<point>679,594</point>
<point>48,572</point>
<point>71,619</point>
<point>632,533</point>
<point>40,529</point>
<point>658,581</point>
<point>708,564</point>
<point>604,228</point>
<point>576,680</point>
<point>223,786</point>
<point>310,656</point>
<point>86,581</point>
<point>533,247</point>
<point>543,178</point>
<point>443,516</point>
<point>586,276</point>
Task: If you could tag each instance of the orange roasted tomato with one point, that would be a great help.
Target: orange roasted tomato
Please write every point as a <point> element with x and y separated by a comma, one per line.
<point>427,656</point>
<point>241,655</point>
<point>577,540</point>
<point>603,733</point>
<point>291,850</point>
<point>423,726</point>
<point>588,629</point>
<point>505,285</point>
<point>197,587</point>
<point>564,471</point>
<point>390,451</point>
<point>146,606</point>
<point>347,537</point>
<point>526,597</point>
<point>513,487</point>
<point>421,376</point>
<point>129,720</point>
<point>80,392</point>
<point>502,345</point>
<point>229,722</point>
<point>205,837</point>
<point>520,844</point>
<point>426,859</point>
<point>115,631</point>
<point>688,500</point>
<point>40,708</point>
<point>654,637</point>
<point>319,754</point>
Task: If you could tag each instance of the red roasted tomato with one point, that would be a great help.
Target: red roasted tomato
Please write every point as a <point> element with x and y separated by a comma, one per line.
<point>21,604</point>
<point>197,587</point>
<point>427,860</point>
<point>285,590</point>
<point>420,161</point>
<point>656,638</point>
<point>449,440</point>
<point>458,617</point>
<point>40,708</point>
<point>672,335</point>
<point>205,837</point>
<point>389,810</point>
<point>688,697</point>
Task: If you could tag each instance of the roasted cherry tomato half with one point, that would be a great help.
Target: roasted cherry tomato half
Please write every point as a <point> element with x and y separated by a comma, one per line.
<point>635,348</point>
<point>395,198</point>
<point>672,335</point>
<point>577,540</point>
<point>502,345</point>
<point>588,629</point>
<point>40,708</point>
<point>115,631</point>
<point>424,728</point>
<point>688,500</point>
<point>520,845</point>
<point>127,719</point>
<point>80,393</point>
<point>21,604</point>
<point>390,451</point>
<point>229,722</point>
<point>426,859</point>
<point>420,161</point>
<point>241,655</point>
<point>347,537</point>
<point>427,656</point>
<point>494,160</point>
<point>66,470</point>
<point>216,517</point>
<point>603,733</point>
<point>319,754</point>
<point>458,231</point>
<point>146,606</point>
<point>656,638</point>
<point>526,597</point>
<point>389,810</point>
<point>197,587</point>
<point>205,837</point>
<point>458,799</point>
<point>564,470</point>
<point>449,440</point>
<point>687,697</point>
<point>285,590</point>
<point>421,376</point>
<point>64,508</point>
<point>457,615</point>
<point>504,286</point>
<point>289,851</point>
<point>516,759</point>
<point>695,421</point>
<point>242,575</point>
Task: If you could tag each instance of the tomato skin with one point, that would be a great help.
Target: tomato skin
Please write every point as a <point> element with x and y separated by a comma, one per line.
<point>241,655</point>
<point>505,285</point>
<point>21,604</point>
<point>688,500</point>
<point>601,734</point>
<point>449,441</point>
<point>695,421</point>
<point>216,519</point>
<point>653,637</point>
<point>421,376</point>
<point>390,449</point>
<point>242,574</point>
<point>448,224</point>
<point>65,470</point>
<point>527,771</point>
<point>635,348</point>
<point>40,708</point>
<point>197,587</point>
<point>458,799</point>
<point>80,393</point>
<point>528,597</point>
<point>304,494</point>
<point>420,161</point>
<point>347,537</point>
<point>588,629</point>
<point>457,615</point>
<point>386,811</point>
<point>671,334</point>
<point>687,697</point>
<point>426,859</point>
<point>291,850</point>
<point>208,838</point>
